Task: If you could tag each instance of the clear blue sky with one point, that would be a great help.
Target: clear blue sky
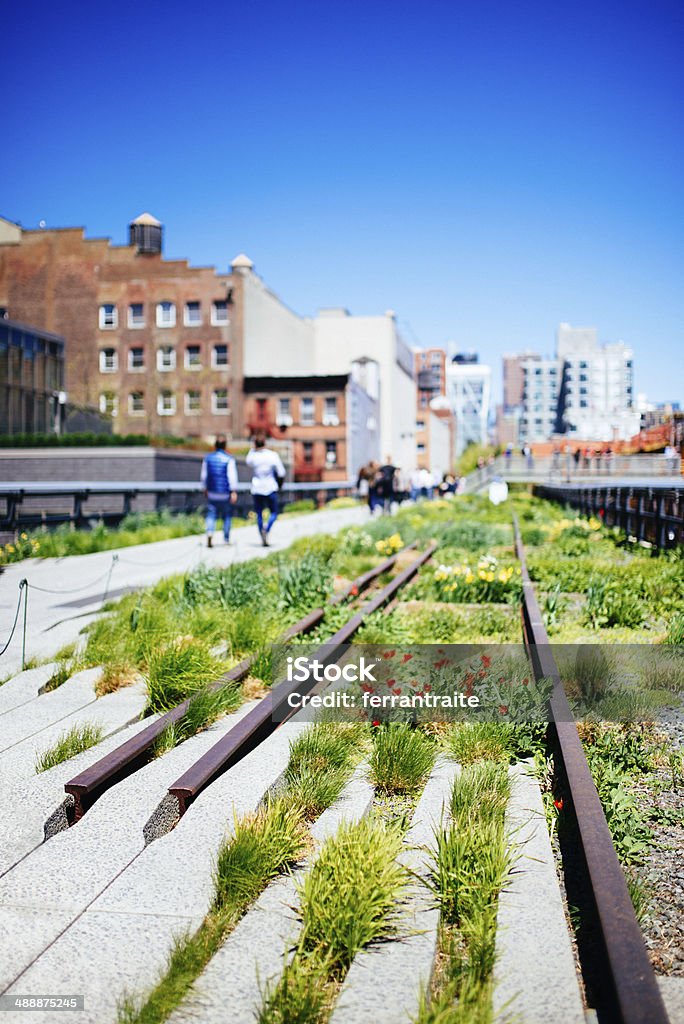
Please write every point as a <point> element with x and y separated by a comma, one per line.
<point>485,169</point>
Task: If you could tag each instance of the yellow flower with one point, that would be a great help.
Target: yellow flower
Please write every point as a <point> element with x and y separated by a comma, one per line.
<point>469,578</point>
<point>490,577</point>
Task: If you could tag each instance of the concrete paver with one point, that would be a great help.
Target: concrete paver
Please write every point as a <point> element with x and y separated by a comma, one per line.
<point>534,975</point>
<point>48,709</point>
<point>385,983</point>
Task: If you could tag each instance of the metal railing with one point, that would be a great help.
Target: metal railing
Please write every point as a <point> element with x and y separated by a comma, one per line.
<point>82,502</point>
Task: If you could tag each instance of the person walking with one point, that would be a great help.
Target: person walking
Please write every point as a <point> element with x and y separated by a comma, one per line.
<point>268,475</point>
<point>219,479</point>
<point>386,484</point>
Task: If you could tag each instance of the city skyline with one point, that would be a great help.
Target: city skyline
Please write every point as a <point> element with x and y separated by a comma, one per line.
<point>487,172</point>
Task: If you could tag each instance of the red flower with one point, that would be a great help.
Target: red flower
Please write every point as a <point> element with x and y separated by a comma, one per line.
<point>602,512</point>
<point>468,678</point>
<point>526,682</point>
<point>441,663</point>
<point>389,654</point>
<point>375,723</point>
<point>558,804</point>
<point>486,660</point>
<point>397,690</point>
<point>427,689</point>
<point>503,709</point>
<point>366,688</point>
<point>407,657</point>
<point>354,590</point>
<point>390,683</point>
<point>482,674</point>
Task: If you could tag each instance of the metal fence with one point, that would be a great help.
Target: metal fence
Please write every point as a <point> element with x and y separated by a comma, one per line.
<point>82,503</point>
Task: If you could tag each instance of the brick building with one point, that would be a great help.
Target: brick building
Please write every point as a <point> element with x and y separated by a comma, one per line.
<point>434,419</point>
<point>332,421</point>
<point>31,379</point>
<point>148,340</point>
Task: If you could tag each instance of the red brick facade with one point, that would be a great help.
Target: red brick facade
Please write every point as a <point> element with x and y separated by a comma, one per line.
<point>183,379</point>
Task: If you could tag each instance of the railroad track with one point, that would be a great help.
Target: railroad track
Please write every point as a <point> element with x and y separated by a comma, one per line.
<point>627,991</point>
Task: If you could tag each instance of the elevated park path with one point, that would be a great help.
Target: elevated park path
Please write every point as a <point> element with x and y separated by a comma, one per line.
<point>66,593</point>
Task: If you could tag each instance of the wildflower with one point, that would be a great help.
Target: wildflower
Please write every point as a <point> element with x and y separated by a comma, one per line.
<point>558,803</point>
<point>375,723</point>
<point>354,591</point>
<point>486,660</point>
<point>397,690</point>
<point>389,654</point>
<point>441,663</point>
<point>407,657</point>
<point>390,683</point>
<point>469,578</point>
<point>503,709</point>
<point>526,682</point>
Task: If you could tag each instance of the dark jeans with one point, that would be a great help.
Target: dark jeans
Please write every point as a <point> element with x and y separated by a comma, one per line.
<point>266,501</point>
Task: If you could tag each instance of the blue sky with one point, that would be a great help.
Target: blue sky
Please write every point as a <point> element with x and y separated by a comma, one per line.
<point>485,169</point>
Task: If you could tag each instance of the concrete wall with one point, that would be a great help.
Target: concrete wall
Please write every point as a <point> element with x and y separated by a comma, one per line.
<point>276,341</point>
<point>341,339</point>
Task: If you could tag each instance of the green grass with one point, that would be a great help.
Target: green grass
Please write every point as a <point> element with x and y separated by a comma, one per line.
<point>401,759</point>
<point>349,900</point>
<point>178,671</point>
<point>261,847</point>
<point>321,760</point>
<point>470,867</point>
<point>69,744</point>
<point>205,707</point>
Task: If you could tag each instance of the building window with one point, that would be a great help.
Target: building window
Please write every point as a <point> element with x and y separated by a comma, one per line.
<point>109,403</point>
<point>307,450</point>
<point>306,412</point>
<point>219,312</point>
<point>166,314</point>
<point>584,404</point>
<point>166,359</point>
<point>109,360</point>
<point>192,357</point>
<point>192,316</point>
<point>136,316</point>
<point>166,403</point>
<point>283,413</point>
<point>331,453</point>
<point>219,357</point>
<point>330,417</point>
<point>136,359</point>
<point>108,317</point>
<point>420,449</point>
<point>420,424</point>
<point>136,403</point>
<point>219,400</point>
<point>192,403</point>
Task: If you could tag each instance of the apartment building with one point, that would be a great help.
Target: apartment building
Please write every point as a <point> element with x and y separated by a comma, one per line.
<point>331,421</point>
<point>150,341</point>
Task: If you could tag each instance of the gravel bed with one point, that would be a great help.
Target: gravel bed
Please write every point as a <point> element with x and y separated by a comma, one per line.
<point>663,870</point>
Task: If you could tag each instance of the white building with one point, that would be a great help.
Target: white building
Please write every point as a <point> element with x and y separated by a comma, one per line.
<point>468,390</point>
<point>341,339</point>
<point>585,393</point>
<point>539,414</point>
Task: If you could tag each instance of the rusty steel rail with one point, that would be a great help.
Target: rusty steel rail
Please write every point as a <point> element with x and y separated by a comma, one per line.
<point>632,987</point>
<point>259,723</point>
<point>90,784</point>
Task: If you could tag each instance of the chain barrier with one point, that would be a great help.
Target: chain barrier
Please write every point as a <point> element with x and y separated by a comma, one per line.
<point>22,585</point>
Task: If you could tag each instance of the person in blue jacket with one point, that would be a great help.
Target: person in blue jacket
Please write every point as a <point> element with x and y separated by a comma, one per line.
<point>219,479</point>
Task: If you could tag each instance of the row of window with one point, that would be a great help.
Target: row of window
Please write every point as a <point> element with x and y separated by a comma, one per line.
<point>165,315</point>
<point>166,358</point>
<point>330,452</point>
<point>284,417</point>
<point>166,403</point>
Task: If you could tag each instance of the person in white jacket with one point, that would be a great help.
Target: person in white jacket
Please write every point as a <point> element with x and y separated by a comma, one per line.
<point>268,474</point>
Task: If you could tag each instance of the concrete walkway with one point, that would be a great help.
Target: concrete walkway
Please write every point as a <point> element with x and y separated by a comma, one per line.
<point>72,588</point>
